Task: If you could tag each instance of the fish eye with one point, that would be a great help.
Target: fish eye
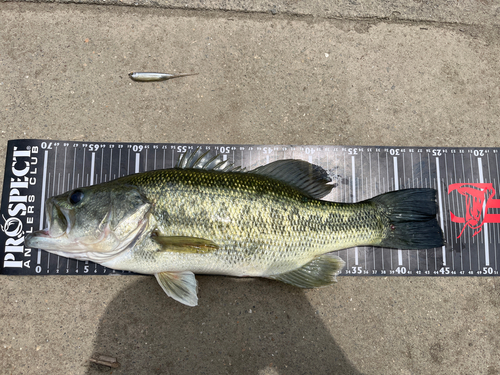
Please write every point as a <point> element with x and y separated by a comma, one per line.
<point>76,197</point>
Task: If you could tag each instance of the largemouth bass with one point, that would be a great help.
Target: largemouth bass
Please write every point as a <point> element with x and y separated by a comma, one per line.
<point>208,217</point>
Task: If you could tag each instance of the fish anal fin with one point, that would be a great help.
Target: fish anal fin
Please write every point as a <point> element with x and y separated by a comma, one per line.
<point>183,244</point>
<point>320,271</point>
<point>181,286</point>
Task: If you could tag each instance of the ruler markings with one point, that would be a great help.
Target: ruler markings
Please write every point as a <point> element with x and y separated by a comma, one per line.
<point>77,185</point>
<point>440,201</point>
<point>388,187</point>
<point>492,236</point>
<point>378,192</point>
<point>74,169</point>
<point>404,171</point>
<point>420,184</point>
<point>128,161</point>
<point>83,168</point>
<point>447,202</point>
<point>485,225</point>
<point>54,175</point>
<point>421,172</point>
<point>137,161</point>
<point>42,201</point>
<point>48,196</point>
<point>414,181</point>
<point>469,245</point>
<point>434,250</point>
<point>64,167</point>
<point>102,165</point>
<point>353,177</point>
<point>497,240</point>
<point>396,187</point>
<point>412,171</point>
<point>378,187</point>
<point>110,165</point>
<point>344,199</point>
<point>462,203</point>
<point>370,183</point>
<point>92,168</point>
<point>489,180</point>
<point>474,239</point>
<point>119,162</point>
<point>455,207</point>
<point>49,254</point>
<point>429,169</point>
<point>406,185</point>
<point>425,185</point>
<point>361,195</point>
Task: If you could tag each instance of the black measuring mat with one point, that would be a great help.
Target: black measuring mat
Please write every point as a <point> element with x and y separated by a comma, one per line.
<point>466,179</point>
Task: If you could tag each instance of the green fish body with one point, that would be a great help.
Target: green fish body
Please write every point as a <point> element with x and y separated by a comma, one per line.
<point>205,217</point>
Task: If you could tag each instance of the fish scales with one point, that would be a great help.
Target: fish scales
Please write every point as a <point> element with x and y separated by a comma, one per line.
<point>262,226</point>
<point>206,216</point>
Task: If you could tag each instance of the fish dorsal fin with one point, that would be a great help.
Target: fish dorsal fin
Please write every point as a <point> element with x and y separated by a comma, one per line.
<point>198,159</point>
<point>181,244</point>
<point>320,271</point>
<point>310,179</point>
<point>181,286</point>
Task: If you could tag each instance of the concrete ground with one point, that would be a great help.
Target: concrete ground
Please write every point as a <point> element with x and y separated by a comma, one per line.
<point>408,72</point>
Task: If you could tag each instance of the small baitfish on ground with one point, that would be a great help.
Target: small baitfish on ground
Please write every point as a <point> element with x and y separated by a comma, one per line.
<point>153,77</point>
<point>208,217</point>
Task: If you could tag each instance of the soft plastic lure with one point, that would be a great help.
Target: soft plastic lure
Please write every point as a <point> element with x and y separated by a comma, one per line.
<point>152,77</point>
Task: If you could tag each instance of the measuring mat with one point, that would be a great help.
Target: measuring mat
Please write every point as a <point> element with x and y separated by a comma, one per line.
<point>466,180</point>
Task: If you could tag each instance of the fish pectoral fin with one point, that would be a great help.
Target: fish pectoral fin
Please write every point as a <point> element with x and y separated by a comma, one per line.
<point>320,271</point>
<point>181,244</point>
<point>181,286</point>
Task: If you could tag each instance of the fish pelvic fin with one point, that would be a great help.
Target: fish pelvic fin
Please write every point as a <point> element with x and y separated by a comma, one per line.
<point>412,219</point>
<point>320,271</point>
<point>182,244</point>
<point>181,286</point>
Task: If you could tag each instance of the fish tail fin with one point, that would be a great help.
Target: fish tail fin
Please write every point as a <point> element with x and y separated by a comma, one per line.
<point>412,219</point>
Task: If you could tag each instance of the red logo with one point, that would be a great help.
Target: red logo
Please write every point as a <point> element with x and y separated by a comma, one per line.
<point>477,203</point>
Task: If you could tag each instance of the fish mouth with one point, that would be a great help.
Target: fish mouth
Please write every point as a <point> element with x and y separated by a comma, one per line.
<point>59,224</point>
<point>58,219</point>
